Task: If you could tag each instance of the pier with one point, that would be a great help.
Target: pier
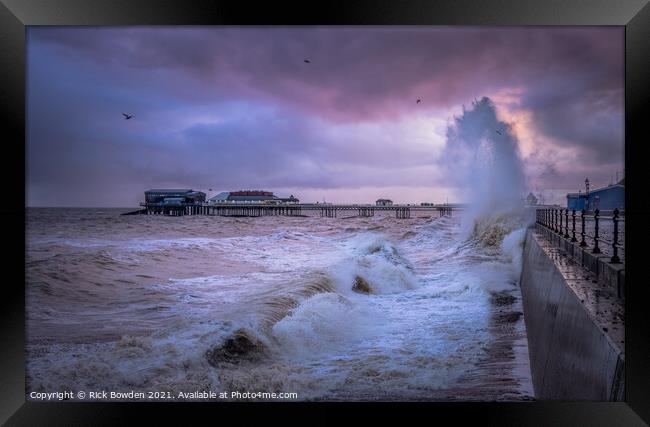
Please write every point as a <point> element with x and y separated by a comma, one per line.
<point>255,203</point>
<point>262,209</point>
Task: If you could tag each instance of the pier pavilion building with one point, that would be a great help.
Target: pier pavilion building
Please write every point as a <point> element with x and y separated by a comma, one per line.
<point>251,196</point>
<point>176,197</point>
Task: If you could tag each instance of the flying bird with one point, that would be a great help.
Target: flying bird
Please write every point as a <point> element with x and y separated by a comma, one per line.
<point>418,101</point>
<point>127,116</point>
<point>307,61</point>
<point>498,132</point>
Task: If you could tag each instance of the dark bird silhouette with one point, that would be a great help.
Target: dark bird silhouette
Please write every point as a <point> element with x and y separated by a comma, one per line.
<point>418,101</point>
<point>127,116</point>
<point>307,61</point>
<point>498,132</point>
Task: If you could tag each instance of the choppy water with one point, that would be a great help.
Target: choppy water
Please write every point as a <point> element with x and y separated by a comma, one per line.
<point>150,303</point>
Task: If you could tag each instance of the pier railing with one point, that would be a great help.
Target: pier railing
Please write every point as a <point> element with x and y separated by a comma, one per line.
<point>601,232</point>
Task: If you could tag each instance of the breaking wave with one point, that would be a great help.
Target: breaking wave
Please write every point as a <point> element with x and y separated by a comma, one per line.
<point>375,265</point>
<point>362,309</point>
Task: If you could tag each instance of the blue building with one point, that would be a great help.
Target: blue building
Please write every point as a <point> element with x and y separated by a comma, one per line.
<point>605,198</point>
<point>174,197</point>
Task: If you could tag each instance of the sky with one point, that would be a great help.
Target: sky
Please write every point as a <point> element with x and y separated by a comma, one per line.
<point>236,108</point>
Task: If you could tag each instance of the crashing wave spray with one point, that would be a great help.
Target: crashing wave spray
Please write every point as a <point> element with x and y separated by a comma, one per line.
<point>487,150</point>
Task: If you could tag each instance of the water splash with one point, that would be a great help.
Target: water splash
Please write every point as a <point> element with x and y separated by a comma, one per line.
<point>487,149</point>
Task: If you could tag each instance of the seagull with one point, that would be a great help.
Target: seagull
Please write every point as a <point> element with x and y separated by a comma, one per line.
<point>418,101</point>
<point>127,116</point>
<point>307,61</point>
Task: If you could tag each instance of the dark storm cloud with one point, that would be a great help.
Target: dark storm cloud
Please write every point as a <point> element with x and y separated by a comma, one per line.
<point>238,107</point>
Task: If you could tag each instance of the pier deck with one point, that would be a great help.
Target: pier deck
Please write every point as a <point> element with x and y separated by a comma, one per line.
<point>260,209</point>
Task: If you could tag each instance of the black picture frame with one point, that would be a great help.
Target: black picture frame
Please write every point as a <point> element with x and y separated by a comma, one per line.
<point>15,15</point>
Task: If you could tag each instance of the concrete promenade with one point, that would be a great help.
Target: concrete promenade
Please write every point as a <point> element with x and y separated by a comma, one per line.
<point>575,321</point>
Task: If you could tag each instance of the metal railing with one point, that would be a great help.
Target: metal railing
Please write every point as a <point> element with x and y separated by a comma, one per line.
<point>557,220</point>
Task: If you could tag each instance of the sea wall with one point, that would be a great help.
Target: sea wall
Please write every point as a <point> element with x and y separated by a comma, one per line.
<point>574,322</point>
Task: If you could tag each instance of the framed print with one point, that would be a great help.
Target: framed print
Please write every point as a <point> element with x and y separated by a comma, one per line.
<point>253,209</point>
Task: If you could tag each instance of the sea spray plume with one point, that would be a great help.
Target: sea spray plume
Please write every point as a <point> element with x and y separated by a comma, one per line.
<point>486,153</point>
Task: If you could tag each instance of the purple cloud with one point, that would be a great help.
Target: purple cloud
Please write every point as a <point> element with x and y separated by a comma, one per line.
<point>229,108</point>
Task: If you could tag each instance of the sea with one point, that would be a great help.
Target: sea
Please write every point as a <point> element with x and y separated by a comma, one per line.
<point>317,309</point>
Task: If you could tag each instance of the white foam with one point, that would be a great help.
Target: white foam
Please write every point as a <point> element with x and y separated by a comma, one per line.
<point>376,259</point>
<point>325,323</point>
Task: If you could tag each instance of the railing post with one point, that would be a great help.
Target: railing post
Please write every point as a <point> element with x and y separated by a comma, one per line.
<point>559,230</point>
<point>552,218</point>
<point>615,259</point>
<point>582,234</point>
<point>573,225</point>
<point>596,249</point>
<point>566,223</point>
